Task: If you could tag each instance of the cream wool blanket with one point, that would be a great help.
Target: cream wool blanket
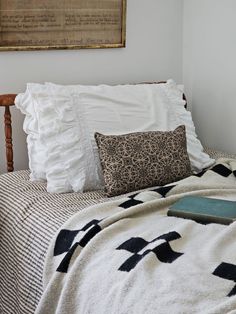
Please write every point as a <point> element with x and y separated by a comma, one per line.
<point>127,256</point>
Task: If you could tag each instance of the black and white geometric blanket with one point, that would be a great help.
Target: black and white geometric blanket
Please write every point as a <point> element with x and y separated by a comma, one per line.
<point>128,256</point>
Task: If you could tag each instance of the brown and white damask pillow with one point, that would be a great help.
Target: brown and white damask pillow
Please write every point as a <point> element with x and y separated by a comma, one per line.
<point>135,161</point>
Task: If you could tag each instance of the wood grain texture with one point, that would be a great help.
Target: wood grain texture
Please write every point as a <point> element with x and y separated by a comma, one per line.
<point>7,100</point>
<point>8,139</point>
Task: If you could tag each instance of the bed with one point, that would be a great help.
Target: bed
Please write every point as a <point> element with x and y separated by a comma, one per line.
<point>86,252</point>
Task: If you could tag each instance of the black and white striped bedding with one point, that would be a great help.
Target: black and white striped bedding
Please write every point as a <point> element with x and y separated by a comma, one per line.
<point>29,217</point>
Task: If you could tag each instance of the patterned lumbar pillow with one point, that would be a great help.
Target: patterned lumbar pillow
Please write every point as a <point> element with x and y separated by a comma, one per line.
<point>138,160</point>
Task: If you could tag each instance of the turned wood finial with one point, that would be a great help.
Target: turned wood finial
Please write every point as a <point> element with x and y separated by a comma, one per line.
<point>7,101</point>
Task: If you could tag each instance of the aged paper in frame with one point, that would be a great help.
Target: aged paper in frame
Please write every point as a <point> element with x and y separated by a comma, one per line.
<point>62,24</point>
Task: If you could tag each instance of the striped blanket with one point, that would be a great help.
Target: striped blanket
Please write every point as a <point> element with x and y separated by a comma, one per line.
<point>128,256</point>
<point>29,217</point>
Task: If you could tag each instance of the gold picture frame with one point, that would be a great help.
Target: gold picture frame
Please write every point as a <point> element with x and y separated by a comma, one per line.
<point>59,24</point>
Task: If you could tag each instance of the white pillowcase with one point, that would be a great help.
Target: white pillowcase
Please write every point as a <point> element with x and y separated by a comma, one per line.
<point>36,150</point>
<point>66,118</point>
<point>71,115</point>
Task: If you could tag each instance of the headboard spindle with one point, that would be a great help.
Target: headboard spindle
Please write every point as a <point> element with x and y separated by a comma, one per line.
<point>7,101</point>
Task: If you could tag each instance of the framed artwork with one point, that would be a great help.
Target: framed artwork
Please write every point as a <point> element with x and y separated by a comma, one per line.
<point>62,24</point>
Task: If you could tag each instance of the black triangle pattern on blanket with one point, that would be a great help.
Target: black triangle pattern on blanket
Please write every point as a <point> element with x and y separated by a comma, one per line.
<point>163,251</point>
<point>227,271</point>
<point>161,192</point>
<point>65,237</point>
<point>221,170</point>
<point>200,174</point>
<point>65,240</point>
<point>64,265</point>
<point>131,202</point>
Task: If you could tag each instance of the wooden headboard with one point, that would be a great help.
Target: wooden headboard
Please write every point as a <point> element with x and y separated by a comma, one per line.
<point>7,101</point>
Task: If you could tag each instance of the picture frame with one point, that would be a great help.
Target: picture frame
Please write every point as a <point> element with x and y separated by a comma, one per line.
<point>71,24</point>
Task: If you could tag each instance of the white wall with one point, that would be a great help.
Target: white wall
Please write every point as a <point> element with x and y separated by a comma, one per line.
<point>153,52</point>
<point>209,69</point>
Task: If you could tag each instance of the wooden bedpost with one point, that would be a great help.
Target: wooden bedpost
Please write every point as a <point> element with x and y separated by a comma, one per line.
<point>8,139</point>
<point>7,101</point>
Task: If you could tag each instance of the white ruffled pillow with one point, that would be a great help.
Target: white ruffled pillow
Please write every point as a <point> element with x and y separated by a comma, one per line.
<point>71,115</point>
<point>62,137</point>
<point>61,122</point>
<point>198,158</point>
<point>36,150</point>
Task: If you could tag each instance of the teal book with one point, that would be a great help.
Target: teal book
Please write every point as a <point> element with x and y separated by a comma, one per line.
<point>204,210</point>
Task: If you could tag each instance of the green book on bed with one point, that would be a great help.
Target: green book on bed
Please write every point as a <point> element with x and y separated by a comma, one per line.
<point>204,210</point>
